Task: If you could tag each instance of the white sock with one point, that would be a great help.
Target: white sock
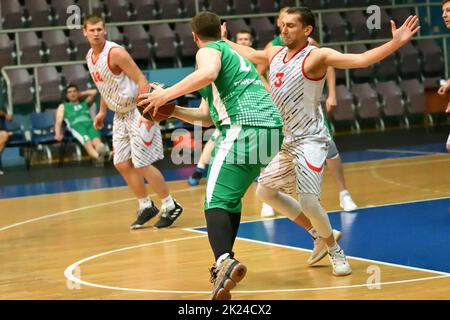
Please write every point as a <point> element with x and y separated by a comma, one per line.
<point>145,203</point>
<point>343,193</point>
<point>313,233</point>
<point>201,166</point>
<point>168,202</point>
<point>222,258</point>
<point>334,248</point>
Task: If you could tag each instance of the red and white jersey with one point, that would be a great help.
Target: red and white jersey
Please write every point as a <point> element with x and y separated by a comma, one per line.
<point>296,95</point>
<point>119,91</point>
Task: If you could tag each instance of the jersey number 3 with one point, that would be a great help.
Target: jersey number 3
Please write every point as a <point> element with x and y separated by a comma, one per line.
<point>96,76</point>
<point>279,80</point>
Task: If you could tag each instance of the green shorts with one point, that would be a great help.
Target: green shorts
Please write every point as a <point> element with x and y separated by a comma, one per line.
<point>240,152</point>
<point>84,131</point>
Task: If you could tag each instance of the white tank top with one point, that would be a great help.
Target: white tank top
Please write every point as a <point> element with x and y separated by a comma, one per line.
<point>119,91</point>
<point>296,95</point>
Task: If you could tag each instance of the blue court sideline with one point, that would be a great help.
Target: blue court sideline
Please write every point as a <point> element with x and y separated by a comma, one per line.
<point>412,234</point>
<point>12,191</point>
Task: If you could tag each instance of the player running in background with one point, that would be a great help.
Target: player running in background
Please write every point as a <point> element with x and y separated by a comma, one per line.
<point>117,78</point>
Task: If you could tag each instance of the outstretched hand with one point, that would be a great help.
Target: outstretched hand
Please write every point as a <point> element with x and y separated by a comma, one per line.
<point>406,31</point>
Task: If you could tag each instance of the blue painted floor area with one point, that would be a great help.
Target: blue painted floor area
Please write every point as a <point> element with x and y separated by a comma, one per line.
<point>10,191</point>
<point>24,190</point>
<point>411,234</point>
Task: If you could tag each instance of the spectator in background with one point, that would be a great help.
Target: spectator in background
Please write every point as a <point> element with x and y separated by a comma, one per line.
<point>445,89</point>
<point>75,112</point>
<point>4,135</point>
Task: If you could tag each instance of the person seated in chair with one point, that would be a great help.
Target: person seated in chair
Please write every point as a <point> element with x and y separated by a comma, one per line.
<point>4,135</point>
<point>75,112</point>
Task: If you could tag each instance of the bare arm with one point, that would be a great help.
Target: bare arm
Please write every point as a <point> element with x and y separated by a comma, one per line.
<point>331,84</point>
<point>98,121</point>
<point>208,68</point>
<point>193,115</point>
<point>401,36</point>
<point>58,122</point>
<point>262,71</point>
<point>331,81</point>
<point>89,95</point>
<point>120,60</point>
<point>254,56</point>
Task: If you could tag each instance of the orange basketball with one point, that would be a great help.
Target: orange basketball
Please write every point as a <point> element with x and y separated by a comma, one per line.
<point>164,112</point>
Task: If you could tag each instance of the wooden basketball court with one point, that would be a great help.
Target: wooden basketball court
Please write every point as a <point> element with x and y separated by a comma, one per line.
<point>79,246</point>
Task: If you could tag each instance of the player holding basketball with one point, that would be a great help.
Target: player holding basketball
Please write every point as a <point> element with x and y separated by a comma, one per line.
<point>297,75</point>
<point>446,88</point>
<point>236,101</point>
<point>117,78</point>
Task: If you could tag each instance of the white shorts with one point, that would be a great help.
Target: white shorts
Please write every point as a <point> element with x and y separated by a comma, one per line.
<point>448,142</point>
<point>297,168</point>
<point>132,142</point>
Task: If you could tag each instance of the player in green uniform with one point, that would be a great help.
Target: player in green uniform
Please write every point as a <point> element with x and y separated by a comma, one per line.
<point>75,112</point>
<point>250,128</point>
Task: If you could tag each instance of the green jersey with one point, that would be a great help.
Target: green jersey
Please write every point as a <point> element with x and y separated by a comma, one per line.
<point>75,113</point>
<point>277,41</point>
<point>238,96</point>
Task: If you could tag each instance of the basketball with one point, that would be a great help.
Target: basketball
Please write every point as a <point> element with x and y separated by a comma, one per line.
<point>164,112</point>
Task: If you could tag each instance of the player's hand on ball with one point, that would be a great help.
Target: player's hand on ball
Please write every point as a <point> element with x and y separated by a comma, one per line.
<point>152,100</point>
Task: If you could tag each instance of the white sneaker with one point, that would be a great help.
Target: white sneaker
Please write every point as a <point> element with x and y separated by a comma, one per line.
<point>320,248</point>
<point>346,202</point>
<point>338,260</point>
<point>267,211</point>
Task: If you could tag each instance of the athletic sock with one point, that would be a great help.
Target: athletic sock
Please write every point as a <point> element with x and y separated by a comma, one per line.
<point>334,248</point>
<point>220,231</point>
<point>168,202</point>
<point>145,203</point>
<point>313,233</point>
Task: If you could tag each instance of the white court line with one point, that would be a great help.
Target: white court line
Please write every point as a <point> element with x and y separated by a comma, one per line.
<point>442,275</point>
<point>381,165</point>
<point>83,208</point>
<point>340,211</point>
<point>406,151</point>
<point>393,165</point>
<point>354,258</point>
<point>68,273</point>
<point>85,190</point>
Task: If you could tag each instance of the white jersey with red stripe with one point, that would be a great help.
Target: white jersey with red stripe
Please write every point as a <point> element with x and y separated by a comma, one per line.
<point>297,96</point>
<point>118,91</point>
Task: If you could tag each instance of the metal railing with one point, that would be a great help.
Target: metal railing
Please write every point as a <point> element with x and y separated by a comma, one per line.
<point>319,13</point>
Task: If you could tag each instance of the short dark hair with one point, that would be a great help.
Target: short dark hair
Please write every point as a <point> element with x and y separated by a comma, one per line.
<point>305,16</point>
<point>93,18</point>
<point>249,32</point>
<point>71,85</point>
<point>206,25</point>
